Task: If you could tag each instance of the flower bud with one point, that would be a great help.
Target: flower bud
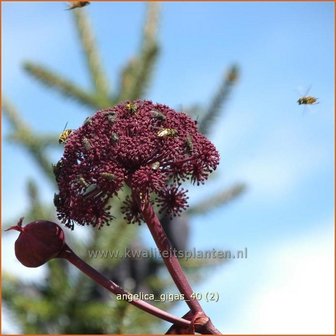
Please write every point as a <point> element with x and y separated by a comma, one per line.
<point>38,242</point>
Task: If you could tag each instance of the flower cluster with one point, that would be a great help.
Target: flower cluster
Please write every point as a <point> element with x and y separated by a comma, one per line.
<point>149,147</point>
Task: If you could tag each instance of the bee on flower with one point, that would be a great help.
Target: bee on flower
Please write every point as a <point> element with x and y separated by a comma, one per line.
<point>167,132</point>
<point>63,137</point>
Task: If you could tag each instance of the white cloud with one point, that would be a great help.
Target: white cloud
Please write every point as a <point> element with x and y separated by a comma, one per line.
<point>295,290</point>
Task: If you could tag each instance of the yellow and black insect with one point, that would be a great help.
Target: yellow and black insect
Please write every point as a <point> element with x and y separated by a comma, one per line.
<point>167,132</point>
<point>132,107</point>
<point>77,4</point>
<point>64,135</point>
<point>307,100</point>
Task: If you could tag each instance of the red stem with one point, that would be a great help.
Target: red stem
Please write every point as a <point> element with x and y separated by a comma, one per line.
<point>202,324</point>
<point>69,255</point>
<point>169,257</point>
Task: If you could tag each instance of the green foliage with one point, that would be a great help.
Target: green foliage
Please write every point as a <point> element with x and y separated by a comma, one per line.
<point>67,302</point>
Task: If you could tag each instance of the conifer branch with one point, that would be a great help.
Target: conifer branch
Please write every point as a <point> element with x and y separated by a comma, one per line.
<point>137,74</point>
<point>50,140</point>
<point>64,86</point>
<point>151,24</point>
<point>219,99</point>
<point>217,200</point>
<point>144,71</point>
<point>37,208</point>
<point>126,79</point>
<point>149,50</point>
<point>46,140</point>
<point>90,51</point>
<point>26,137</point>
<point>13,117</point>
<point>121,315</point>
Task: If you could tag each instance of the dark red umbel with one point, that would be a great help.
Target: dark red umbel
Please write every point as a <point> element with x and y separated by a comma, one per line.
<point>38,242</point>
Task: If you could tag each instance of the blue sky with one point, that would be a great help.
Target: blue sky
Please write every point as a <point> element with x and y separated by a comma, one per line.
<point>284,153</point>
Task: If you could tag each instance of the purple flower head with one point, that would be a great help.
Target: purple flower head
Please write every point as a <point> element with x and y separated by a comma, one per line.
<point>148,147</point>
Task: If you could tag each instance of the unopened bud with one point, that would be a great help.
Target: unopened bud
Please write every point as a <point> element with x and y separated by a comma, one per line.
<point>38,242</point>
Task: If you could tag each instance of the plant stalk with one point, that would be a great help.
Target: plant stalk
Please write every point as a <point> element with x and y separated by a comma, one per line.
<point>69,255</point>
<point>201,322</point>
<point>169,257</point>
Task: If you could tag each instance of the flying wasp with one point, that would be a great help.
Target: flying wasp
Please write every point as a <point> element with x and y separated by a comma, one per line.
<point>307,100</point>
<point>77,4</point>
<point>63,137</point>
